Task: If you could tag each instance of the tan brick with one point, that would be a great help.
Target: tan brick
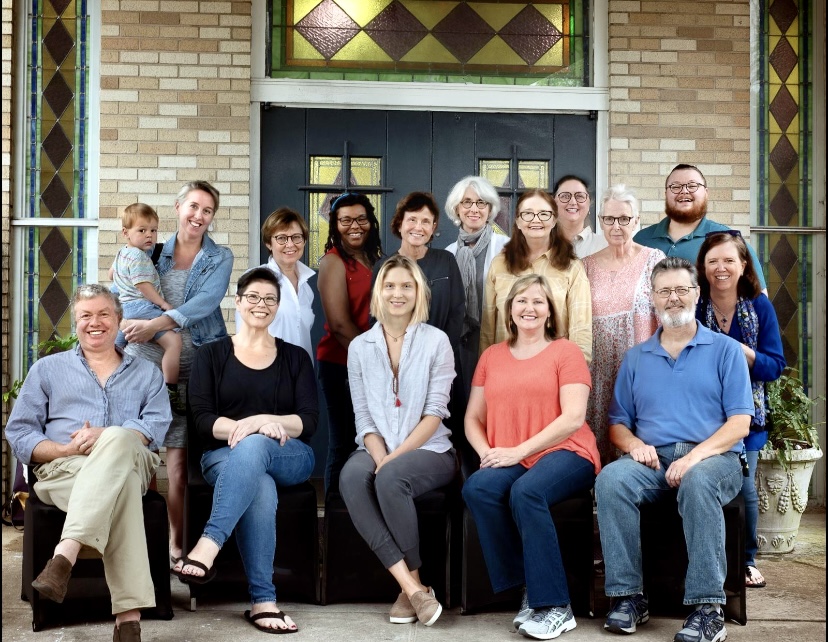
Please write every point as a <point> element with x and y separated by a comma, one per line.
<point>108,134</point>
<point>140,31</point>
<point>178,58</point>
<point>198,45</point>
<point>181,6</point>
<point>138,134</point>
<point>140,57</point>
<point>139,5</point>
<point>139,83</point>
<point>198,97</point>
<point>177,135</point>
<point>201,20</point>
<point>213,111</point>
<point>109,82</point>
<point>177,84</point>
<point>120,17</point>
<point>234,21</point>
<point>159,17</point>
<point>157,148</point>
<point>160,44</point>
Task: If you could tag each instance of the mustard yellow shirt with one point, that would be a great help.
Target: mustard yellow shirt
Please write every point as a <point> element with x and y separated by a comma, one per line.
<point>570,297</point>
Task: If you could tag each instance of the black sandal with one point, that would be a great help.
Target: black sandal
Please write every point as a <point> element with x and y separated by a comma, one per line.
<point>275,615</point>
<point>209,573</point>
<point>752,576</point>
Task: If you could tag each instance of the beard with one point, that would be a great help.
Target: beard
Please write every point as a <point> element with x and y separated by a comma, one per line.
<point>680,216</point>
<point>673,320</point>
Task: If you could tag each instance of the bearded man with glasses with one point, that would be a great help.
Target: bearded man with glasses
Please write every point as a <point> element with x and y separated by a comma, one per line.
<point>681,408</point>
<point>682,232</point>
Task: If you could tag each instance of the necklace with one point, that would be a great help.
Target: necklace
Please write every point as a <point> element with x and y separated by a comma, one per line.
<point>388,334</point>
<point>723,315</point>
<point>395,377</point>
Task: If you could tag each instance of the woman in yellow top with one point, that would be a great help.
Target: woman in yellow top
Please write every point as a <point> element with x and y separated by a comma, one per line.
<point>537,247</point>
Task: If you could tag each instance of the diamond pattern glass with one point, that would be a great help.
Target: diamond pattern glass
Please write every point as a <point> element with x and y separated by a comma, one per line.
<point>413,40</point>
<point>55,183</point>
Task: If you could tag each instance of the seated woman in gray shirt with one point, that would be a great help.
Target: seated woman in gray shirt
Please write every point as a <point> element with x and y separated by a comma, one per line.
<point>400,373</point>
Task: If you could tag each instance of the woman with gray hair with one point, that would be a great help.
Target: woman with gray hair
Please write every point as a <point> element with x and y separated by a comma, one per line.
<point>472,205</point>
<point>195,274</point>
<point>622,315</point>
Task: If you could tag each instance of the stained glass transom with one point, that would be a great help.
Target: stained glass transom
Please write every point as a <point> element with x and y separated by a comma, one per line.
<point>539,42</point>
<point>56,162</point>
<point>784,173</point>
<point>329,170</point>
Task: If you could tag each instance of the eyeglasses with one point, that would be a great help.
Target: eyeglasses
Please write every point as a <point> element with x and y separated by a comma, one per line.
<point>529,216</point>
<point>734,233</point>
<point>253,299</point>
<point>691,187</point>
<point>282,239</point>
<point>467,203</point>
<point>565,197</point>
<point>347,221</point>
<point>609,221</point>
<point>681,290</point>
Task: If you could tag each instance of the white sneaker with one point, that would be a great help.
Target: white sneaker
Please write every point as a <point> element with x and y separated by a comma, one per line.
<point>547,624</point>
<point>525,611</point>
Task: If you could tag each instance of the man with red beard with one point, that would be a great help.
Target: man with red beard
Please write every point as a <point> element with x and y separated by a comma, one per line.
<point>682,232</point>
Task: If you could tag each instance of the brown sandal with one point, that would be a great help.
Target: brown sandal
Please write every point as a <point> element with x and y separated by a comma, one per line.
<point>127,632</point>
<point>54,579</point>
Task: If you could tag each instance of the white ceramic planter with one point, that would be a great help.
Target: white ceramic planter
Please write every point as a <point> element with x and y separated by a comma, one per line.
<point>783,497</point>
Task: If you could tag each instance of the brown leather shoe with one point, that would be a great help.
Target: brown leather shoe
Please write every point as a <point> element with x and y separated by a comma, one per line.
<point>53,580</point>
<point>127,632</point>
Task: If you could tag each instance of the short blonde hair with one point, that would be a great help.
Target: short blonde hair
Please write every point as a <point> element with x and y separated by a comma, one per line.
<point>518,287</point>
<point>422,300</point>
<point>132,213</point>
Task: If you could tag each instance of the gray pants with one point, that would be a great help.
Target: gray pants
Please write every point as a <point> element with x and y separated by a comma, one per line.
<point>382,506</point>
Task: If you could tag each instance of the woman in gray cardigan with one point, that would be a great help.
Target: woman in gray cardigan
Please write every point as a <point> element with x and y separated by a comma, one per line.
<point>400,373</point>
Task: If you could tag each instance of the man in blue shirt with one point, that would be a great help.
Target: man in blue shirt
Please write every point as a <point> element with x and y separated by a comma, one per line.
<point>90,421</point>
<point>683,230</point>
<point>681,408</point>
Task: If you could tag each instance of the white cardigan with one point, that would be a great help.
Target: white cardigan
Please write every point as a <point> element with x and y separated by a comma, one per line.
<point>495,246</point>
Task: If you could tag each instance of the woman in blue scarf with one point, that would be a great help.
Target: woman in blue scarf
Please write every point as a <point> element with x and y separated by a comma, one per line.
<point>732,302</point>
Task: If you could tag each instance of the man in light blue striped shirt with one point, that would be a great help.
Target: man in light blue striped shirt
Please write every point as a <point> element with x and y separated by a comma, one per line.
<point>91,421</point>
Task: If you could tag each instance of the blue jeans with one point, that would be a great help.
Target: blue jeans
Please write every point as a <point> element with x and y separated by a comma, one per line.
<point>510,507</point>
<point>751,498</point>
<point>245,496</point>
<point>333,378</point>
<point>624,485</point>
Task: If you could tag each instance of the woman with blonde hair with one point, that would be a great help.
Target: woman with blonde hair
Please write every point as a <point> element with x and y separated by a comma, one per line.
<point>400,372</point>
<point>537,246</point>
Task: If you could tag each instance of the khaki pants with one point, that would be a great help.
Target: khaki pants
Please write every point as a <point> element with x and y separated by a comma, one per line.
<point>101,495</point>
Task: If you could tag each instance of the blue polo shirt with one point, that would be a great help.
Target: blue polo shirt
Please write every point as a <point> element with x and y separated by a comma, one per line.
<point>665,401</point>
<point>687,247</point>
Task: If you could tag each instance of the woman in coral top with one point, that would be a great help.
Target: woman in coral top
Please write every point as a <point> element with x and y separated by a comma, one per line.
<point>525,419</point>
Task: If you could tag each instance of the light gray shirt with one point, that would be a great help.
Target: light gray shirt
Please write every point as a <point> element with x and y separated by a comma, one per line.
<point>61,392</point>
<point>425,377</point>
<point>587,242</point>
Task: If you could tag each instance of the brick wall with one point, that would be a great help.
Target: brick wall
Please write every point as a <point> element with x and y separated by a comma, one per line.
<point>679,93</point>
<point>175,107</point>
<point>5,215</point>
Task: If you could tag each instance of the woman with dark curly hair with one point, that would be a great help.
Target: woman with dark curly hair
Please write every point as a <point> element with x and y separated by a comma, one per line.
<point>352,249</point>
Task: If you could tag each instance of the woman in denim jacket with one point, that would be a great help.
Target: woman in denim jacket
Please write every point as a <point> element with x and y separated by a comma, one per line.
<point>195,274</point>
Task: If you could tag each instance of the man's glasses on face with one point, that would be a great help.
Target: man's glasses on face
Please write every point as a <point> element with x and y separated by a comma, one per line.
<point>691,187</point>
<point>664,293</point>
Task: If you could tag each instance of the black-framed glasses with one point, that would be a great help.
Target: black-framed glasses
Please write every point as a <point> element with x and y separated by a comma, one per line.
<point>253,299</point>
<point>565,197</point>
<point>282,239</point>
<point>609,221</point>
<point>347,221</point>
<point>467,203</point>
<point>733,233</point>
<point>529,216</point>
<point>692,186</point>
<point>682,290</point>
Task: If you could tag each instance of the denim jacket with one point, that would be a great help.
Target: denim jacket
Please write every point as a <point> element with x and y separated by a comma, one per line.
<point>206,287</point>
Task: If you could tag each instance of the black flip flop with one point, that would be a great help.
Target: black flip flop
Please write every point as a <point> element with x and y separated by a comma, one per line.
<point>275,615</point>
<point>209,573</point>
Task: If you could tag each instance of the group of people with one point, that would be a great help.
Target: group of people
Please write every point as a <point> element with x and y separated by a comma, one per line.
<point>547,354</point>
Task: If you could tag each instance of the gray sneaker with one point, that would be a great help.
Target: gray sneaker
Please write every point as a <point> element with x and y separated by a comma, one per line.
<point>546,624</point>
<point>626,612</point>
<point>525,611</point>
<point>705,624</point>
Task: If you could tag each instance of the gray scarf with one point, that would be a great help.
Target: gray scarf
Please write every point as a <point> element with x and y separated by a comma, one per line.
<point>466,260</point>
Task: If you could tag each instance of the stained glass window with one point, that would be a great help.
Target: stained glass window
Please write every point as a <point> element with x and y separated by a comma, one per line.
<point>539,43</point>
<point>784,175</point>
<point>530,174</point>
<point>56,164</point>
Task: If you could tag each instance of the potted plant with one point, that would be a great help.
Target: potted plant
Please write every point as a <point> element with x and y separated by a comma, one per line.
<point>785,463</point>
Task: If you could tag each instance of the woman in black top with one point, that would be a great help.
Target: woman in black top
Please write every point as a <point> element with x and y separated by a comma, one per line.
<point>253,401</point>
